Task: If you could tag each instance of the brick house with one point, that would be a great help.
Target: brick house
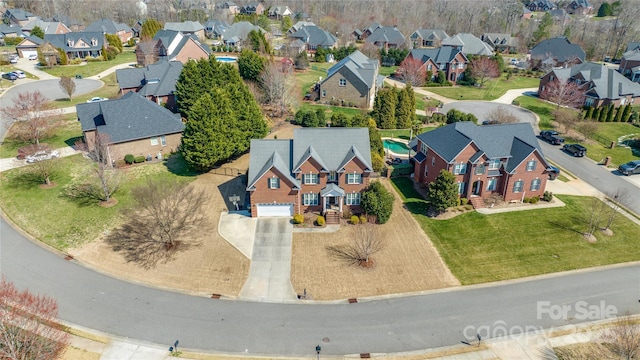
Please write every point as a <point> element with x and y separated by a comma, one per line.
<point>556,52</point>
<point>582,7</point>
<point>491,159</point>
<point>630,65</point>
<point>428,37</point>
<point>78,44</point>
<point>314,37</point>
<point>251,9</point>
<point>321,170</point>
<point>29,46</point>
<point>48,27</point>
<point>352,81</point>
<point>502,43</point>
<point>156,82</point>
<point>187,28</point>
<point>169,45</point>
<point>541,5</point>
<point>108,26</point>
<point>132,125</point>
<point>449,59</point>
<point>603,85</point>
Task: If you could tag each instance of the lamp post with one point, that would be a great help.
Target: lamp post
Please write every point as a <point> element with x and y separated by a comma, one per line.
<point>318,349</point>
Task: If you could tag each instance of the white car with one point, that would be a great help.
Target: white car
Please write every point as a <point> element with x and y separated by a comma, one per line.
<point>42,155</point>
<point>96,99</point>
<point>33,57</point>
<point>20,74</point>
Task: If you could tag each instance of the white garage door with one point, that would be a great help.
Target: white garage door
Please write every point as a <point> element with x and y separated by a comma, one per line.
<point>275,209</point>
<point>27,53</point>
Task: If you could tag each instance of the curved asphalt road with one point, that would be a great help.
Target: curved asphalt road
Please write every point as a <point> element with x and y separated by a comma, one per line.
<point>96,301</point>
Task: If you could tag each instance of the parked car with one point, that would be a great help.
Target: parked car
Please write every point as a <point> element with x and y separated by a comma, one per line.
<point>575,149</point>
<point>551,136</point>
<point>10,76</point>
<point>96,99</point>
<point>14,58</point>
<point>33,57</point>
<point>490,122</point>
<point>630,168</point>
<point>553,172</point>
<point>42,155</point>
<point>20,74</point>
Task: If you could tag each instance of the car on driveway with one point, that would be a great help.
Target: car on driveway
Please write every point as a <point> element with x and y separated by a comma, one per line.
<point>575,150</point>
<point>553,172</point>
<point>96,99</point>
<point>42,155</point>
<point>14,59</point>
<point>10,76</point>
<point>20,74</point>
<point>630,168</point>
<point>33,57</point>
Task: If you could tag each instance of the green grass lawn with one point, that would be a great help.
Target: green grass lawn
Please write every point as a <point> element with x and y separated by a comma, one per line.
<point>492,89</point>
<point>66,135</point>
<point>402,133</point>
<point>387,70</point>
<point>330,110</point>
<point>93,67</point>
<point>109,90</point>
<point>57,220</point>
<point>542,108</point>
<point>310,76</point>
<point>481,248</point>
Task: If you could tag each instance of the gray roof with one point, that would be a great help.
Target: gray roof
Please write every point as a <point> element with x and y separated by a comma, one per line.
<point>497,39</point>
<point>429,34</point>
<point>386,35</point>
<point>363,70</point>
<point>241,30</point>
<point>278,10</point>
<point>441,56</point>
<point>185,26</point>
<point>174,41</point>
<point>107,26</point>
<point>633,55</point>
<point>18,14</point>
<point>216,27</point>
<point>604,82</point>
<point>315,36</point>
<point>298,25</point>
<point>157,79</point>
<point>332,148</point>
<point>34,39</point>
<point>62,40</point>
<point>469,43</point>
<point>559,48</point>
<point>131,117</point>
<point>48,27</point>
<point>7,29</point>
<point>512,141</point>
<point>633,46</point>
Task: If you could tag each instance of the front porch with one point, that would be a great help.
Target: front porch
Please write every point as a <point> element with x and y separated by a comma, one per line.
<point>332,200</point>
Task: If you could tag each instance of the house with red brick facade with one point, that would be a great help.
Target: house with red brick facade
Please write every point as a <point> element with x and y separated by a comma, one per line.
<point>322,170</point>
<point>169,45</point>
<point>449,59</point>
<point>489,159</point>
<point>156,82</point>
<point>630,65</point>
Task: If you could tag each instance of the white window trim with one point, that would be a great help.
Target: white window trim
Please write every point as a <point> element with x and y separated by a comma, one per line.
<point>310,179</point>
<point>352,199</point>
<point>518,189</point>
<point>342,82</point>
<point>537,182</point>
<point>310,199</point>
<point>274,183</point>
<point>154,141</point>
<point>354,178</point>
<point>494,164</point>
<point>531,168</point>
<point>491,182</point>
<point>163,140</point>
<point>457,170</point>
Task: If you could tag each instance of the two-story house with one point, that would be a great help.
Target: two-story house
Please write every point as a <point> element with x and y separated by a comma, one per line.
<point>315,37</point>
<point>78,44</point>
<point>17,17</point>
<point>250,9</point>
<point>448,59</point>
<point>156,82</point>
<point>497,159</point>
<point>502,43</point>
<point>321,170</point>
<point>630,65</point>
<point>108,26</point>
<point>556,52</point>
<point>352,81</point>
<point>187,28</point>
<point>581,7</point>
<point>469,44</point>
<point>428,37</point>
<point>172,45</point>
<point>541,5</point>
<point>386,37</point>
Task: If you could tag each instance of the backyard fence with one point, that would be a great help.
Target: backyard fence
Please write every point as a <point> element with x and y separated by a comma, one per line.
<point>228,171</point>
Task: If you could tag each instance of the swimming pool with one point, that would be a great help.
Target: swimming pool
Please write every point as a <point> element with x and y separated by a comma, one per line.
<point>396,147</point>
<point>226,59</point>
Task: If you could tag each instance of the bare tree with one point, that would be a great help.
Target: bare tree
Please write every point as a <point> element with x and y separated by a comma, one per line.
<point>278,85</point>
<point>106,178</point>
<point>67,85</point>
<point>617,199</point>
<point>502,115</point>
<point>43,170</point>
<point>596,210</point>
<point>164,216</point>
<point>484,68</point>
<point>563,93</point>
<point>624,338</point>
<point>33,116</point>
<point>146,52</point>
<point>566,118</point>
<point>587,128</point>
<point>366,242</point>
<point>28,325</point>
<point>412,71</point>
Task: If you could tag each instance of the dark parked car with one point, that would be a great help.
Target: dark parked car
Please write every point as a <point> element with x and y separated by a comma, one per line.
<point>630,168</point>
<point>553,172</point>
<point>551,136</point>
<point>10,76</point>
<point>575,149</point>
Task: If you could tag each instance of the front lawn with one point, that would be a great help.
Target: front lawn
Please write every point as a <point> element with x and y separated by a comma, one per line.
<point>64,136</point>
<point>109,90</point>
<point>91,68</point>
<point>54,218</point>
<point>305,79</point>
<point>492,89</point>
<point>542,108</point>
<point>482,248</point>
<point>330,110</point>
<point>387,70</point>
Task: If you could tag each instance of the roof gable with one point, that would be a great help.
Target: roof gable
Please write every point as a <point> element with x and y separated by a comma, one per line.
<point>559,48</point>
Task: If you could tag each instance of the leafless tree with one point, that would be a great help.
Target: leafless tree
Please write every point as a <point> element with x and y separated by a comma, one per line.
<point>146,52</point>
<point>412,72</point>
<point>618,199</point>
<point>563,93</point>
<point>624,338</point>
<point>566,118</point>
<point>484,68</point>
<point>278,85</point>
<point>596,210</point>
<point>371,51</point>
<point>29,326</point>
<point>43,170</point>
<point>587,128</point>
<point>33,116</point>
<point>162,221</point>
<point>502,115</point>
<point>67,85</point>
<point>366,242</point>
<point>104,179</point>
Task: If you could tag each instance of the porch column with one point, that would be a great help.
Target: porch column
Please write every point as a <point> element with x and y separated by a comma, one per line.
<point>324,204</point>
<point>340,204</point>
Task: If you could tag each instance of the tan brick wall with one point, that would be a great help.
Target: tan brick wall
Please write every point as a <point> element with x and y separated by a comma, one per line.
<point>137,147</point>
<point>191,51</point>
<point>347,93</point>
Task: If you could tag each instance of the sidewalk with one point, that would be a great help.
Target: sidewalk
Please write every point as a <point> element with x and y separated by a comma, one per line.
<point>13,163</point>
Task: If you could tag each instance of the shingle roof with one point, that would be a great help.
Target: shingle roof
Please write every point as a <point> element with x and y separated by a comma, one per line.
<point>560,48</point>
<point>185,26</point>
<point>62,40</point>
<point>315,36</point>
<point>34,39</point>
<point>363,68</point>
<point>512,141</point>
<point>7,29</point>
<point>470,44</point>
<point>216,27</point>
<point>19,14</point>
<point>633,46</point>
<point>298,25</point>
<point>128,118</point>
<point>174,41</point>
<point>496,39</point>
<point>429,34</point>
<point>331,147</point>
<point>604,82</point>
<point>440,56</point>
<point>387,35</point>
<point>157,79</point>
<point>241,30</point>
<point>107,26</point>
<point>49,27</point>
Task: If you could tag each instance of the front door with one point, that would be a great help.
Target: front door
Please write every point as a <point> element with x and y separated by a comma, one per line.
<point>331,202</point>
<point>476,188</point>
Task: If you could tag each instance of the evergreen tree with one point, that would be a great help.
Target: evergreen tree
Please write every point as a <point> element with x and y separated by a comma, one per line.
<point>149,29</point>
<point>619,111</point>
<point>301,61</point>
<point>250,65</point>
<point>375,140</point>
<point>589,113</point>
<point>377,201</point>
<point>605,10</point>
<point>610,114</point>
<point>403,115</point>
<point>359,120</point>
<point>37,31</point>
<point>443,192</point>
<point>322,121</point>
<point>626,113</point>
<point>309,119</point>
<point>385,108</point>
<point>602,113</point>
<point>287,23</point>
<point>542,32</point>
<point>114,41</point>
<point>258,42</point>
<point>340,120</point>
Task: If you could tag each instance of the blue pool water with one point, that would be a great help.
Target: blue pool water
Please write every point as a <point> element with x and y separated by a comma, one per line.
<point>226,59</point>
<point>395,146</point>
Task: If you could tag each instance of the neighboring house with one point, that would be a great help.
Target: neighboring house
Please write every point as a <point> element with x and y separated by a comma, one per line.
<point>386,37</point>
<point>229,6</point>
<point>215,29</point>
<point>579,7</point>
<point>17,17</point>
<point>47,27</point>
<point>299,25</point>
<point>497,159</point>
<point>556,52</point>
<point>156,82</point>
<point>603,85</point>
<point>238,33</point>
<point>78,44</point>
<point>69,22</point>
<point>131,125</point>
<point>469,44</point>
<point>630,65</point>
<point>526,13</point>
<point>251,9</point>
<point>560,16</point>
<point>449,59</point>
<point>315,37</point>
<point>296,46</point>
<point>321,170</point>
<point>366,32</point>
<point>29,46</point>
<point>502,43</point>
<point>428,38</point>
<point>632,46</point>
<point>351,81</point>
<point>136,28</point>
<point>541,5</point>
<point>279,11</point>
<point>10,31</point>
<point>169,45</point>
<point>187,28</point>
<point>107,26</point>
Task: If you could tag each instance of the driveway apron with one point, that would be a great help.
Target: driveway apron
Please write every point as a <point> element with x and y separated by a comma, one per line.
<point>269,276</point>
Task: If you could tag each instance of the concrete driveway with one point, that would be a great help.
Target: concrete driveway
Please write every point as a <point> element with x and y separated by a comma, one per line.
<point>270,273</point>
<point>481,110</point>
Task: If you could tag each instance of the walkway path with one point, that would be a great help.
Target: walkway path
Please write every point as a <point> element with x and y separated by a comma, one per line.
<point>512,94</point>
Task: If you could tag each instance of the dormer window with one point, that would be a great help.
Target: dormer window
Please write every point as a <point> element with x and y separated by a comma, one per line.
<point>94,42</point>
<point>70,42</point>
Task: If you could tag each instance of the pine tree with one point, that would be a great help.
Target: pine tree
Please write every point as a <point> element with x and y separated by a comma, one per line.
<point>149,29</point>
<point>443,192</point>
<point>386,116</point>
<point>602,113</point>
<point>589,113</point>
<point>626,113</point>
<point>619,111</point>
<point>375,140</point>
<point>610,114</point>
<point>403,108</point>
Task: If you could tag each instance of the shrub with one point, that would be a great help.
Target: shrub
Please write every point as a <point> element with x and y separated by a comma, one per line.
<point>377,201</point>
<point>534,200</point>
<point>298,219</point>
<point>464,201</point>
<point>120,163</point>
<point>363,219</point>
<point>355,220</point>
<point>320,220</point>
<point>346,213</point>
<point>515,103</point>
<point>139,159</point>
<point>468,207</point>
<point>129,159</point>
<point>526,200</point>
<point>547,196</point>
<point>458,202</point>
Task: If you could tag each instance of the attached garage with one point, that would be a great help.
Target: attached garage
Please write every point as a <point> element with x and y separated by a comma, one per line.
<point>26,53</point>
<point>274,210</point>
